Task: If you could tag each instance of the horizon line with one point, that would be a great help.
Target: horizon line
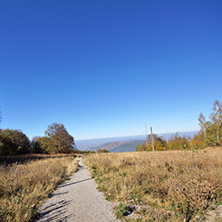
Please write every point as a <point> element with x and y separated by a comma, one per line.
<point>135,135</point>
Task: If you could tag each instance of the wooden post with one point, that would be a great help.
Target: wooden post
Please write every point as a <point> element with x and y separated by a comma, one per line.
<point>152,138</point>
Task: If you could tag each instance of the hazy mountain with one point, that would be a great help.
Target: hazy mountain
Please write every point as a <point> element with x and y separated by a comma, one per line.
<point>124,146</point>
<point>127,146</point>
<point>121,144</point>
<point>92,144</point>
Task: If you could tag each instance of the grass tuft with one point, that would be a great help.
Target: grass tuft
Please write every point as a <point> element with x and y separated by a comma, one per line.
<point>23,187</point>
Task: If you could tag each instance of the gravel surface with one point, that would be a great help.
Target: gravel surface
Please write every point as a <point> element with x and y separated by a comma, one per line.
<point>77,200</point>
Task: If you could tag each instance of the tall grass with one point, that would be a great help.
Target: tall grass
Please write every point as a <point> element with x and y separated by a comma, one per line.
<point>23,187</point>
<point>160,186</point>
<point>28,157</point>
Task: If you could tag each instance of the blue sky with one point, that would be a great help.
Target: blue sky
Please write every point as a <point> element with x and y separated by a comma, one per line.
<point>104,68</point>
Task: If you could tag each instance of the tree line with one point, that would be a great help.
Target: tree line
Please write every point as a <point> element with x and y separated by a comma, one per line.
<point>56,140</point>
<point>210,134</point>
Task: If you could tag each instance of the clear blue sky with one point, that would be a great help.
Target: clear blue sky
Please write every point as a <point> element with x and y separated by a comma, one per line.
<point>104,68</point>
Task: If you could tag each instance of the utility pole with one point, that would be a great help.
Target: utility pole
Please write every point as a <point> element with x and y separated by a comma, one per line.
<point>152,138</point>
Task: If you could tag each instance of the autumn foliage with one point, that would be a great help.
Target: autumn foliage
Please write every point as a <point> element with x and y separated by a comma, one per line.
<point>210,134</point>
<point>56,140</point>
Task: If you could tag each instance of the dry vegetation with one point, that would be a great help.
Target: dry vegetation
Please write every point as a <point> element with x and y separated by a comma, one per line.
<point>23,187</point>
<point>160,186</point>
<point>28,157</point>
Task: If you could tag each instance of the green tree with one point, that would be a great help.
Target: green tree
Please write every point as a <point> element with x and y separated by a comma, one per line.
<point>13,142</point>
<point>103,151</point>
<point>198,141</point>
<point>159,145</point>
<point>216,121</point>
<point>36,145</point>
<point>57,139</point>
<point>46,145</point>
<point>212,129</point>
<point>177,142</point>
<point>142,147</point>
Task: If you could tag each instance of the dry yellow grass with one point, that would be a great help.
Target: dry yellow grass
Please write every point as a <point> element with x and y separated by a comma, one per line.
<point>23,187</point>
<point>160,186</point>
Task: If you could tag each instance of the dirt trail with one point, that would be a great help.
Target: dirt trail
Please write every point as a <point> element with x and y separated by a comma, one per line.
<point>77,200</point>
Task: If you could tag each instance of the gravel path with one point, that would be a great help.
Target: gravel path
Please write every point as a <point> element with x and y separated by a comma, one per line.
<point>77,200</point>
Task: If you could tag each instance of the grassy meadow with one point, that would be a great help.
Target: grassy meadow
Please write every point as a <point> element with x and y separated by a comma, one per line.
<point>160,186</point>
<point>30,157</point>
<point>24,187</point>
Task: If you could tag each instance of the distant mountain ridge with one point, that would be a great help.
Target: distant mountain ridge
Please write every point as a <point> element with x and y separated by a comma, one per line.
<point>122,144</point>
<point>127,146</point>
